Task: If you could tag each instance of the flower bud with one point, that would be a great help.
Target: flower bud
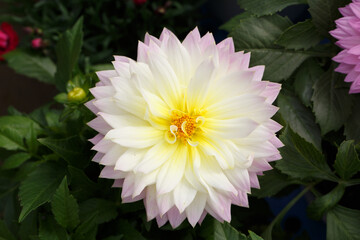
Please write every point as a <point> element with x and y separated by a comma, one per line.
<point>37,43</point>
<point>76,95</point>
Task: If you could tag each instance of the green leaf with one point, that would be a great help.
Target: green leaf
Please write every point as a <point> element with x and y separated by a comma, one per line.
<point>299,118</point>
<point>39,187</point>
<point>129,231</point>
<point>14,129</point>
<point>347,162</point>
<point>302,35</point>
<point>324,13</point>
<point>305,79</point>
<point>233,22</point>
<point>254,236</point>
<point>257,35</point>
<point>49,229</point>
<point>11,142</point>
<point>224,231</point>
<point>72,149</point>
<point>87,229</point>
<point>301,159</point>
<point>4,232</point>
<point>15,160</point>
<point>261,7</point>
<point>65,207</point>
<point>343,223</point>
<point>103,210</point>
<point>82,187</point>
<point>271,183</point>
<point>41,68</point>
<point>352,124</point>
<point>67,51</point>
<point>332,104</point>
<point>323,204</point>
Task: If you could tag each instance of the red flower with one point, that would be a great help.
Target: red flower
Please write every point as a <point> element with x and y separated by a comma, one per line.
<point>139,2</point>
<point>8,39</point>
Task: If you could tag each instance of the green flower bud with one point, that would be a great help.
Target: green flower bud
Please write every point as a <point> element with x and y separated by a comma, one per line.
<point>76,95</point>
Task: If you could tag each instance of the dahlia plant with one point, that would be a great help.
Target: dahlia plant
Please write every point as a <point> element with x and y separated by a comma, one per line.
<point>181,143</point>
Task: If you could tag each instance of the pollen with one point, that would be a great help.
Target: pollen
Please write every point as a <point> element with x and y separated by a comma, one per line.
<point>183,126</point>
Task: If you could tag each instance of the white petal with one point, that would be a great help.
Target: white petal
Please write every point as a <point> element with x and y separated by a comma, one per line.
<point>129,159</point>
<point>156,105</point>
<point>108,105</point>
<point>119,121</point>
<point>184,194</point>
<point>99,125</point>
<point>172,171</point>
<point>196,208</point>
<point>165,202</point>
<point>213,175</point>
<point>230,128</point>
<point>166,81</point>
<point>199,86</point>
<point>143,180</point>
<point>135,137</point>
<point>178,58</point>
<point>150,203</point>
<point>112,155</point>
<point>156,156</point>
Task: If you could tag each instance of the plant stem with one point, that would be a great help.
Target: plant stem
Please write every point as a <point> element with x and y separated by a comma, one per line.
<point>268,231</point>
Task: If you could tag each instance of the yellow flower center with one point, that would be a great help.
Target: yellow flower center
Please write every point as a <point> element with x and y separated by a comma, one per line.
<point>183,126</point>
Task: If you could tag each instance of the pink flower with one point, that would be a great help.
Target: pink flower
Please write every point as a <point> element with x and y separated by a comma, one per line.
<point>37,43</point>
<point>186,128</point>
<point>348,33</point>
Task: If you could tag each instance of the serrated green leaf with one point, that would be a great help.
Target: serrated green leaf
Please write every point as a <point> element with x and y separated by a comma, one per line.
<point>41,68</point>
<point>49,229</point>
<point>15,160</point>
<point>233,22</point>
<point>64,207</point>
<point>302,35</point>
<point>67,51</point>
<point>343,223</point>
<point>224,231</point>
<point>347,162</point>
<point>72,149</point>
<point>305,79</point>
<point>324,13</point>
<point>261,7</point>
<point>332,104</point>
<point>323,204</point>
<point>301,159</point>
<point>299,118</point>
<point>271,183</point>
<point>257,35</point>
<point>39,187</point>
<point>104,210</point>
<point>4,232</point>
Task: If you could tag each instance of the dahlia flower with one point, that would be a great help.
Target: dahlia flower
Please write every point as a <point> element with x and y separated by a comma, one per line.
<point>348,33</point>
<point>186,127</point>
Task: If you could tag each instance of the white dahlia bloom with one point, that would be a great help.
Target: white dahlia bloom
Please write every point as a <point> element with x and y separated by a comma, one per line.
<point>186,127</point>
